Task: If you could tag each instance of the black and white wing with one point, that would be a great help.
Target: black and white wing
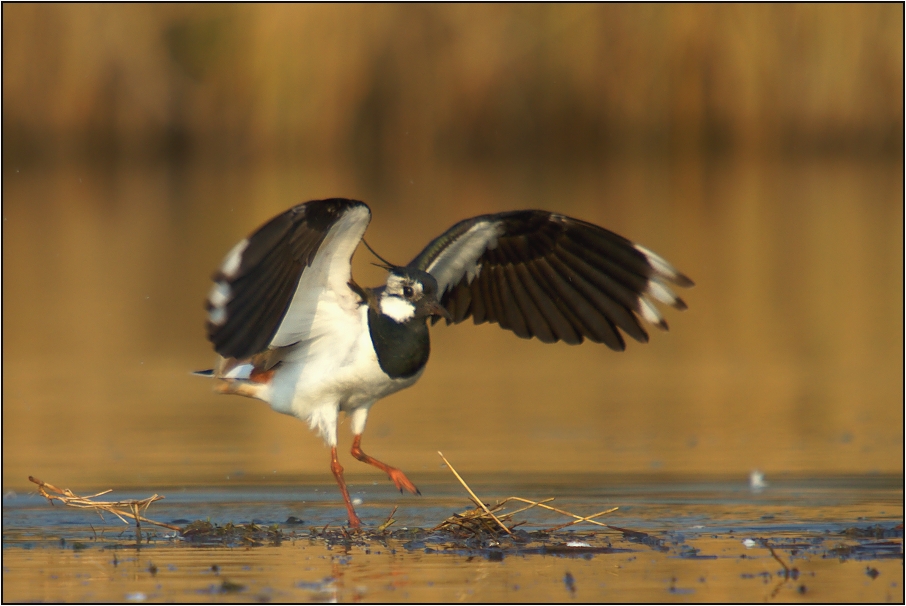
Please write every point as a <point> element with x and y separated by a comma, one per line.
<point>544,275</point>
<point>267,291</point>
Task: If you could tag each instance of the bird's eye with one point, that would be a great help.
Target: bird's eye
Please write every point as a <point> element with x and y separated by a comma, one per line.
<point>407,291</point>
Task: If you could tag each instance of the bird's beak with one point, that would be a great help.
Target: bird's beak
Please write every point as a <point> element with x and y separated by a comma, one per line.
<point>437,309</point>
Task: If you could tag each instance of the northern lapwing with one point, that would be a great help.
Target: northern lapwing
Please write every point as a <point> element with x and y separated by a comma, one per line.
<point>294,330</point>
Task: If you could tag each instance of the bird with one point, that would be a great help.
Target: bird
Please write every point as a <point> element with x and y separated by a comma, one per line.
<point>292,328</point>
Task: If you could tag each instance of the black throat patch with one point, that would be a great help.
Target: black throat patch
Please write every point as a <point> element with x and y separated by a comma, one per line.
<point>402,349</point>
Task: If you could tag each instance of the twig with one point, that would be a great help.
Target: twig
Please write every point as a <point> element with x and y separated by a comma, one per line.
<point>117,508</point>
<point>477,519</point>
<point>138,525</point>
<point>585,519</point>
<point>474,498</point>
<point>388,521</point>
<point>566,513</point>
<point>533,504</point>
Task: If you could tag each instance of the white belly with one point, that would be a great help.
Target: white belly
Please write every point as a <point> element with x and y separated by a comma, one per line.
<point>316,381</point>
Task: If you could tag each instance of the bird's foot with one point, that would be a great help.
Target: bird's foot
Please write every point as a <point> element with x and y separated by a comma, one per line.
<point>401,481</point>
<point>395,475</point>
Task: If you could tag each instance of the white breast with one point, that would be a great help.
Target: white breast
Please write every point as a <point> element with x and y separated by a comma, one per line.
<point>322,376</point>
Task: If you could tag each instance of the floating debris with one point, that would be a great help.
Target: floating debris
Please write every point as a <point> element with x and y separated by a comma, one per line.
<point>642,537</point>
<point>130,508</point>
<point>485,521</point>
<point>205,532</point>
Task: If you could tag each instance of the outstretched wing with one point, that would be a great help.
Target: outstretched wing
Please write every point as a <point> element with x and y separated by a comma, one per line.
<point>544,275</point>
<point>267,291</point>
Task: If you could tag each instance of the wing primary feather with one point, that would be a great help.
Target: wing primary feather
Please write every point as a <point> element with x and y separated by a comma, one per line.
<point>489,292</point>
<point>245,340</point>
<point>661,292</point>
<point>629,288</point>
<point>252,289</point>
<point>262,242</point>
<point>636,282</point>
<point>490,309</point>
<point>479,297</point>
<point>612,246</point>
<point>450,303</point>
<point>534,319</point>
<point>515,313</point>
<point>463,296</point>
<point>560,326</point>
<point>613,301</point>
<point>597,272</point>
<point>493,280</point>
<point>664,269</point>
<point>631,257</point>
<point>612,310</point>
<point>651,313</point>
<point>254,300</point>
<point>510,314</point>
<point>597,326</point>
<point>570,302</point>
<point>257,293</point>
<point>568,326</point>
<point>566,299</point>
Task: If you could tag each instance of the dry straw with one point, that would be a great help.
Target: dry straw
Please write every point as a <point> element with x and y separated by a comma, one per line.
<point>491,519</point>
<point>481,520</point>
<point>131,508</point>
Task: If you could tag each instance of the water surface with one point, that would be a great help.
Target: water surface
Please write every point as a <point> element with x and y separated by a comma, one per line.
<point>693,539</point>
<point>789,358</point>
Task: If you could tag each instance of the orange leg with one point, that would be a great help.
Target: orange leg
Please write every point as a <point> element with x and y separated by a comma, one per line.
<point>337,470</point>
<point>397,476</point>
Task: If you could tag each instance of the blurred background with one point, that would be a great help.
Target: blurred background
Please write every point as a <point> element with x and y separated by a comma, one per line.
<point>759,148</point>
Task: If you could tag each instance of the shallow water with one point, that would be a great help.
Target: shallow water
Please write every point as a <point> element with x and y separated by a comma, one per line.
<point>789,358</point>
<point>693,539</point>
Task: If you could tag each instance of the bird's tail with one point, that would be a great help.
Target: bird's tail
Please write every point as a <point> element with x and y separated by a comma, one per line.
<point>239,378</point>
<point>239,371</point>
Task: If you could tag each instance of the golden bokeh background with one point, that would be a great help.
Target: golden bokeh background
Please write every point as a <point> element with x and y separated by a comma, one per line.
<point>757,147</point>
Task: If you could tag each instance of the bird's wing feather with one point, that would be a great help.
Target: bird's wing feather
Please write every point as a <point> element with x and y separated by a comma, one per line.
<point>273,287</point>
<point>454,253</point>
<point>549,276</point>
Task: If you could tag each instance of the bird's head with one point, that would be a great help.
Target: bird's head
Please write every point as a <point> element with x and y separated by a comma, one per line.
<point>410,294</point>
